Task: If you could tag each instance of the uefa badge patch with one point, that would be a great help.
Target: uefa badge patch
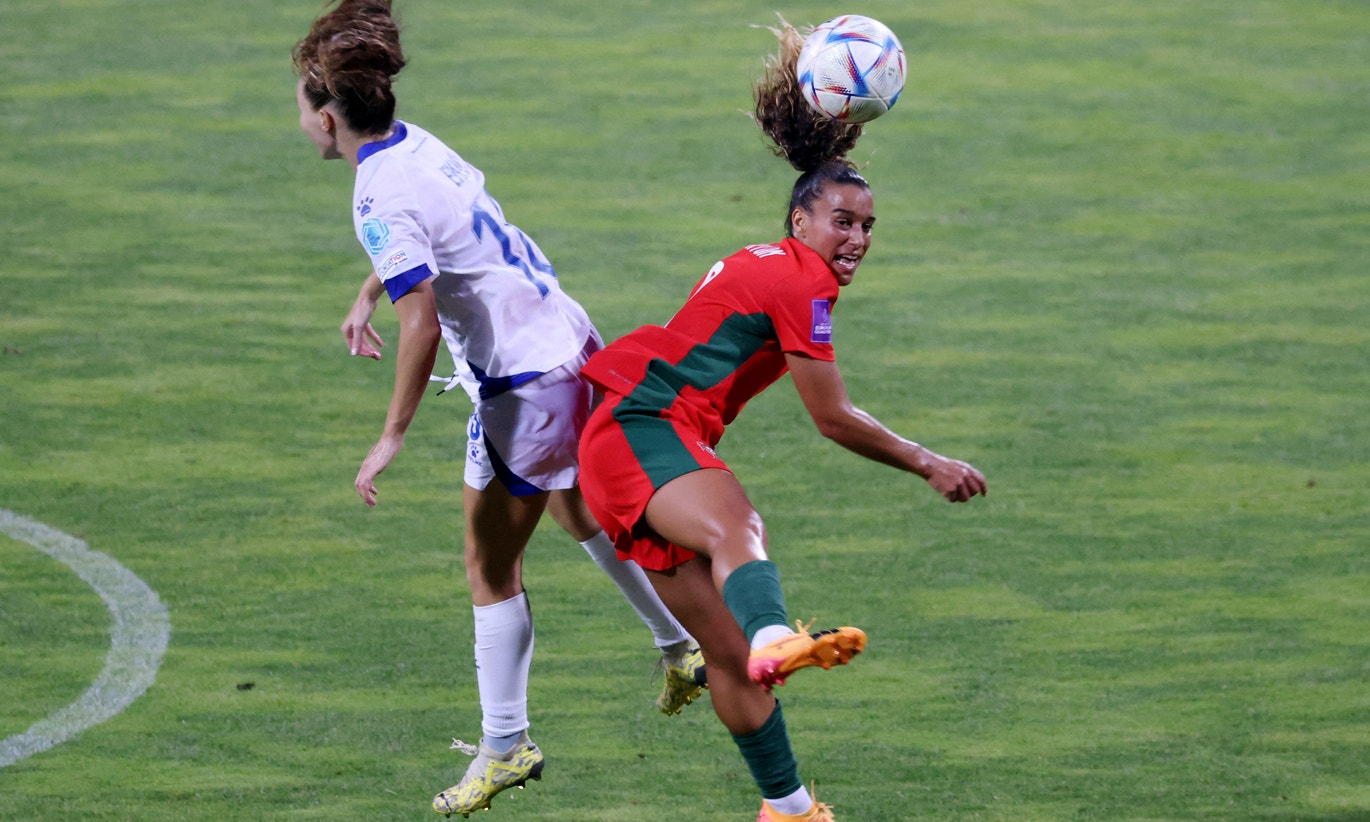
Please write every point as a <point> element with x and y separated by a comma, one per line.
<point>822,322</point>
<point>375,235</point>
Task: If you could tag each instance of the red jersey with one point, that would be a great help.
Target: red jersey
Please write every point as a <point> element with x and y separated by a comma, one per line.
<point>728,342</point>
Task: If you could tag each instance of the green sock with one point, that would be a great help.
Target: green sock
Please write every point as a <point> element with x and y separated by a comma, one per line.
<point>752,592</point>
<point>770,758</point>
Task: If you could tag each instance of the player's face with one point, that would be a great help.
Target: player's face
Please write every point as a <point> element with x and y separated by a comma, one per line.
<point>838,227</point>
<point>316,125</point>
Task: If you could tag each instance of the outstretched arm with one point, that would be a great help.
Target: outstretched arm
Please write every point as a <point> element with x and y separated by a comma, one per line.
<point>824,393</point>
<point>419,336</point>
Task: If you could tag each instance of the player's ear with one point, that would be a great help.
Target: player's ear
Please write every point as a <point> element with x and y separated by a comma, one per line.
<point>799,219</point>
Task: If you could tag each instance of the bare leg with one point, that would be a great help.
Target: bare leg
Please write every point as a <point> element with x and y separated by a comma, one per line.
<point>707,512</point>
<point>567,508</point>
<point>498,527</point>
<point>689,591</point>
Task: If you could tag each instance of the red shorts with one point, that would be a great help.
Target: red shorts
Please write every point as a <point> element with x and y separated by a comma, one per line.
<point>624,459</point>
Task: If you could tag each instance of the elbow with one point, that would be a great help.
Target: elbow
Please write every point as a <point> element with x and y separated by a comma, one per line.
<point>432,337</point>
<point>423,329</point>
<point>834,428</point>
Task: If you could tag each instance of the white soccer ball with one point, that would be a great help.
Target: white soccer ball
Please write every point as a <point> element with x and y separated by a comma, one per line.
<point>851,69</point>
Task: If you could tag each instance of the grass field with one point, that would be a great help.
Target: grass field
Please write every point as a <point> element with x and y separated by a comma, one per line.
<point>1121,266</point>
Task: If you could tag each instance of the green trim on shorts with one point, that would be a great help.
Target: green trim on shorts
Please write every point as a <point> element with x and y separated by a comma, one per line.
<point>655,444</point>
<point>658,449</point>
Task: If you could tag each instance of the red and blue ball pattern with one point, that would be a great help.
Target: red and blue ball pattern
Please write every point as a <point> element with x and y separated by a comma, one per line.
<point>851,69</point>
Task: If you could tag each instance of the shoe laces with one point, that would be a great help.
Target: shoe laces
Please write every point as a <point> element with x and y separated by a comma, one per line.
<point>659,668</point>
<point>808,629</point>
<point>820,807</point>
<point>464,747</point>
<point>664,659</point>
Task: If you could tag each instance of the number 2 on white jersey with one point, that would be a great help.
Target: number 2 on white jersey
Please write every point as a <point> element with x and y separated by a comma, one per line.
<point>482,220</point>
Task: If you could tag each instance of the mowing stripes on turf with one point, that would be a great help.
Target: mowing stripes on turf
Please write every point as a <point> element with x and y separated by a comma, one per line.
<point>139,632</point>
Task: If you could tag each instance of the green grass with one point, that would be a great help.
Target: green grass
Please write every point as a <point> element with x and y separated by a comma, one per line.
<point>1120,266</point>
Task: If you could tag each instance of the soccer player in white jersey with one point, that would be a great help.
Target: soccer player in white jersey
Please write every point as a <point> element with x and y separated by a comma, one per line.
<point>453,267</point>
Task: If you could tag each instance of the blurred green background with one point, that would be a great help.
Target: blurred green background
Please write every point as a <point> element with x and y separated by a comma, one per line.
<point>1120,266</point>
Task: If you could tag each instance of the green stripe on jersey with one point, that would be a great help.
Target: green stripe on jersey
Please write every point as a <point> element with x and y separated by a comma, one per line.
<point>653,440</point>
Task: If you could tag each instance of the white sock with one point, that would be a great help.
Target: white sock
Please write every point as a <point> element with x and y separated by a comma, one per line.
<point>504,652</point>
<point>632,582</point>
<point>675,654</point>
<point>766,636</point>
<point>793,805</point>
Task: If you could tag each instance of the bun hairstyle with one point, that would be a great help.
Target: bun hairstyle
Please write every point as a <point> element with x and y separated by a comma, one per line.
<point>349,57</point>
<point>815,145</point>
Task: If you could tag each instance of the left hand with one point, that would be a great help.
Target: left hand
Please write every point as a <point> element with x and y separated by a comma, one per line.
<point>956,480</point>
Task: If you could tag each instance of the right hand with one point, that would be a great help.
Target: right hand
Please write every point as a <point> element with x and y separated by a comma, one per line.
<point>382,453</point>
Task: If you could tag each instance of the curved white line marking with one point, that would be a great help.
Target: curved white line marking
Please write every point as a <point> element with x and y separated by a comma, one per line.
<point>138,637</point>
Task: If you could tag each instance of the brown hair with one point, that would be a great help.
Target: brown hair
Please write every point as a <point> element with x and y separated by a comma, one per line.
<point>815,145</point>
<point>349,57</point>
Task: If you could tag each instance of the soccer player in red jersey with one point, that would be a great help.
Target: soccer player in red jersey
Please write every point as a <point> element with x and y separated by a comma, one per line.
<point>648,467</point>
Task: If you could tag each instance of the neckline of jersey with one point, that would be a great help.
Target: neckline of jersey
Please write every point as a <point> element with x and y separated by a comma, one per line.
<point>401,132</point>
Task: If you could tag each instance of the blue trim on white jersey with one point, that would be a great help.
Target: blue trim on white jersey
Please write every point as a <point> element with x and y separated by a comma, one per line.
<point>518,486</point>
<point>494,386</point>
<point>402,284</point>
<point>380,145</point>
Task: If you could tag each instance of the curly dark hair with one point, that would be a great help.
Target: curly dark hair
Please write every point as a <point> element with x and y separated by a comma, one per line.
<point>815,145</point>
<point>350,57</point>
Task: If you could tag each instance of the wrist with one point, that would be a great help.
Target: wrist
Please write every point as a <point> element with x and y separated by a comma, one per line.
<point>922,461</point>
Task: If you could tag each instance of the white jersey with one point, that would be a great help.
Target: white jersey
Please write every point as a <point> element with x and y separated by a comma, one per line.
<point>422,213</point>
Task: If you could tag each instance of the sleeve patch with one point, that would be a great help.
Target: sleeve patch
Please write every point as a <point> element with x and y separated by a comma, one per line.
<point>822,322</point>
<point>384,267</point>
<point>375,235</point>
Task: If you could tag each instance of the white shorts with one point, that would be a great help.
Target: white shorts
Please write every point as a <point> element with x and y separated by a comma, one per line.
<point>528,436</point>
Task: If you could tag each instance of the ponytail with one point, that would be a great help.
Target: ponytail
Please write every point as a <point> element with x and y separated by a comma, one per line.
<point>815,145</point>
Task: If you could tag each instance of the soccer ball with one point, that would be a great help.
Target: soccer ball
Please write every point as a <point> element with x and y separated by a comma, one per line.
<point>851,69</point>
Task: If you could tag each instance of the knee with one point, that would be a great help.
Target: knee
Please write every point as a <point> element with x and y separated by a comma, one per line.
<point>735,540</point>
<point>488,570</point>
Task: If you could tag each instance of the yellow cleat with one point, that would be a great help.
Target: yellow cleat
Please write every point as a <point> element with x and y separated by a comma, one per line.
<point>489,774</point>
<point>686,679</point>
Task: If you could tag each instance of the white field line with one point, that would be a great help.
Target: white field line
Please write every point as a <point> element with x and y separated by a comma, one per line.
<point>138,637</point>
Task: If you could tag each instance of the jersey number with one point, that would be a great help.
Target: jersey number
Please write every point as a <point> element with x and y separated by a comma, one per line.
<point>708,278</point>
<point>482,220</point>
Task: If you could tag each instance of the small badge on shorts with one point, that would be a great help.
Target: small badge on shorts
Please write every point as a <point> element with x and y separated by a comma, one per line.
<point>475,435</point>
